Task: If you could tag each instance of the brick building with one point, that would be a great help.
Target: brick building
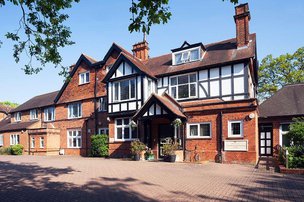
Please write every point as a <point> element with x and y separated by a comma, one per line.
<point>210,88</point>
<point>275,116</point>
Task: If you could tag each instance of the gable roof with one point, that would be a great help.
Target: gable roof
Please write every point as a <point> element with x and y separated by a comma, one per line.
<point>132,61</point>
<point>288,101</point>
<point>37,102</point>
<point>165,101</point>
<point>88,60</point>
<point>5,109</point>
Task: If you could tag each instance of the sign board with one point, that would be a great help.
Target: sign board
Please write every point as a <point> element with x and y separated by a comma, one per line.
<point>236,145</point>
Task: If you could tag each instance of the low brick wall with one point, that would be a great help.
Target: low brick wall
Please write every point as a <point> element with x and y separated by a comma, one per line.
<point>296,171</point>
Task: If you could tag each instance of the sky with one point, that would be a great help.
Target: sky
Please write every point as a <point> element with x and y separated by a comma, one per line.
<point>96,24</point>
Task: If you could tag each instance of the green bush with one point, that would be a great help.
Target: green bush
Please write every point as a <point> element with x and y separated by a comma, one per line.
<point>296,132</point>
<point>100,146</point>
<point>296,156</point>
<point>137,147</point>
<point>5,151</point>
<point>17,149</point>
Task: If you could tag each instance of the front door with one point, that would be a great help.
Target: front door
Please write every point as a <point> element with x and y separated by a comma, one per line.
<point>265,140</point>
<point>166,133</point>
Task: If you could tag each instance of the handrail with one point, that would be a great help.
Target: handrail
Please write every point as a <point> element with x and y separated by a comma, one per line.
<point>281,154</point>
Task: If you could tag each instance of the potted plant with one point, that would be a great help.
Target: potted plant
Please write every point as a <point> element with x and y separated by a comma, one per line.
<point>136,148</point>
<point>169,152</point>
<point>149,155</point>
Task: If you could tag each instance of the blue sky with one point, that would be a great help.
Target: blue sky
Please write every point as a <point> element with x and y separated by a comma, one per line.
<point>96,24</point>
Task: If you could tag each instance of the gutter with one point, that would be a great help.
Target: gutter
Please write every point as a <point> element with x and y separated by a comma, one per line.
<point>220,137</point>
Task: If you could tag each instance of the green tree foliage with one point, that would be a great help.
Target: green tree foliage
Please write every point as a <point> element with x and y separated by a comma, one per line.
<point>41,31</point>
<point>9,104</point>
<point>100,146</point>
<point>274,73</point>
<point>296,132</point>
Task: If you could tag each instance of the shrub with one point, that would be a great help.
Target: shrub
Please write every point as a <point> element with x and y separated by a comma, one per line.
<point>5,151</point>
<point>137,146</point>
<point>296,132</point>
<point>169,149</point>
<point>296,156</point>
<point>17,149</point>
<point>100,146</point>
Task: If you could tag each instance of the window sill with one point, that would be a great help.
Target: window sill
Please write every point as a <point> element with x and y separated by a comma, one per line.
<point>81,84</point>
<point>74,117</point>
<point>199,138</point>
<point>129,140</point>
<point>48,121</point>
<point>74,147</point>
<point>235,137</point>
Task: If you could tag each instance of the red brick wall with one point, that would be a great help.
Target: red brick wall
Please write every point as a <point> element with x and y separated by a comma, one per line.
<point>23,139</point>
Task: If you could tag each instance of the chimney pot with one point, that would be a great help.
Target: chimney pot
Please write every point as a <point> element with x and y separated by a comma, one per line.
<point>141,50</point>
<point>242,18</point>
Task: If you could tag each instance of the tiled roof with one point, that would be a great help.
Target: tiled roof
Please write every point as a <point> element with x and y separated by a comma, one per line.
<point>164,99</point>
<point>16,126</point>
<point>216,53</point>
<point>37,102</point>
<point>288,101</point>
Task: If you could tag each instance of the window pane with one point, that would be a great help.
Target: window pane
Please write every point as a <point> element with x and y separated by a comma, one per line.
<point>132,83</point>
<point>87,77</point>
<point>74,142</point>
<point>193,130</point>
<point>119,133</point>
<point>236,128</point>
<point>192,89</point>
<point>124,90</point>
<point>178,58</point>
<point>173,81</point>
<point>194,54</point>
<point>192,77</point>
<point>285,127</point>
<point>78,142</point>
<point>173,92</point>
<point>116,86</point>
<point>134,133</point>
<point>127,133</point>
<point>118,121</point>
<point>205,130</point>
<point>183,79</point>
<point>185,55</point>
<point>183,91</point>
<point>126,121</point>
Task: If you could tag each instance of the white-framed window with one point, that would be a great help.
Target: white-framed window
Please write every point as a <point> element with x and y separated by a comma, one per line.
<point>235,129</point>
<point>33,114</point>
<point>183,86</point>
<point>186,56</point>
<point>49,114</point>
<point>123,130</point>
<point>102,104</point>
<point>124,90</point>
<point>199,130</point>
<point>41,142</point>
<point>284,129</point>
<point>74,138</point>
<point>74,110</point>
<point>102,131</point>
<point>32,142</point>
<point>17,116</point>
<point>149,90</point>
<point>84,77</point>
<point>14,139</point>
<point>1,140</point>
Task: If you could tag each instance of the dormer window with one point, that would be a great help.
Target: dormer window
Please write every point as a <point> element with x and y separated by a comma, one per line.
<point>186,56</point>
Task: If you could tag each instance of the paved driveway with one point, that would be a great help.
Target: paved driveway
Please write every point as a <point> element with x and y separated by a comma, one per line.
<point>32,178</point>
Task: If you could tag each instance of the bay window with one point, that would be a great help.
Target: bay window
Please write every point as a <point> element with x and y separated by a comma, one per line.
<point>183,86</point>
<point>123,130</point>
<point>124,90</point>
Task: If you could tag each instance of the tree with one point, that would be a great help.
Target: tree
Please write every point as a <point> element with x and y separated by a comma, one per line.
<point>296,132</point>
<point>9,104</point>
<point>41,32</point>
<point>274,73</point>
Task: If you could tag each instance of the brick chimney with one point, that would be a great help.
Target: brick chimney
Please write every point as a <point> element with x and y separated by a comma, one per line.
<point>141,50</point>
<point>241,18</point>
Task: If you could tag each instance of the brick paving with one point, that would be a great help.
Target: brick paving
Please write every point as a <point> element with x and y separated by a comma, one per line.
<point>62,178</point>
